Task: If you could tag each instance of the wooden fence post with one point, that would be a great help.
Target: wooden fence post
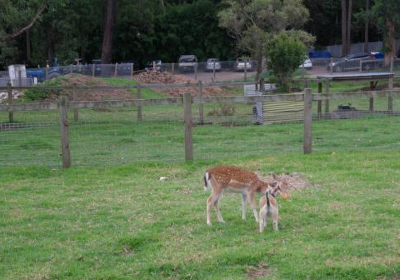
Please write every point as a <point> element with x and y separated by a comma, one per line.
<point>139,108</point>
<point>187,103</point>
<point>326,91</point>
<point>390,97</point>
<point>10,101</point>
<point>201,107</point>
<point>75,99</point>
<point>93,72</point>
<point>47,73</point>
<point>173,68</point>
<point>195,71</point>
<point>213,79</point>
<point>319,101</point>
<point>307,120</point>
<point>131,70</point>
<point>391,64</point>
<point>245,71</point>
<point>65,151</point>
<point>116,70</point>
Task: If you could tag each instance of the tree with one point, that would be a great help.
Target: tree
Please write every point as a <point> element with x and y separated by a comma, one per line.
<point>285,52</point>
<point>347,12</point>
<point>252,22</point>
<point>109,20</point>
<point>387,16</point>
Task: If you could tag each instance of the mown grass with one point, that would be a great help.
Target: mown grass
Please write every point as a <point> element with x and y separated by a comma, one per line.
<point>124,223</point>
<point>117,220</point>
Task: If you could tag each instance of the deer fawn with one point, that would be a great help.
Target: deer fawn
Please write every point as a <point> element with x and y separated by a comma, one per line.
<point>269,205</point>
<point>233,179</point>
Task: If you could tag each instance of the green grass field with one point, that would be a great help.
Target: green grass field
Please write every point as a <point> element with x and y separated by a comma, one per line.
<point>110,217</point>
<point>124,223</point>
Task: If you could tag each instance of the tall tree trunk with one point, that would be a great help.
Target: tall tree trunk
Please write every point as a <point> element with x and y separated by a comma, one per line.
<point>106,50</point>
<point>349,14</point>
<point>366,34</point>
<point>390,42</point>
<point>344,27</point>
<point>28,47</point>
<point>50,45</point>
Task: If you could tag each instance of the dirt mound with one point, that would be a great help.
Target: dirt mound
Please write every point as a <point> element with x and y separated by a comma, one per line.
<point>152,77</point>
<point>95,94</point>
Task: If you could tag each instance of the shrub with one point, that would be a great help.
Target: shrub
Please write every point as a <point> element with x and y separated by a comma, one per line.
<point>285,53</point>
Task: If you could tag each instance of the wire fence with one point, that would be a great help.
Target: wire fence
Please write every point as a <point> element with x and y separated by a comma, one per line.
<point>205,71</point>
<point>222,127</point>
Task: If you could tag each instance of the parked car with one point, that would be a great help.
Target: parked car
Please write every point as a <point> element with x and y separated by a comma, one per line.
<point>307,64</point>
<point>213,64</point>
<point>155,63</point>
<point>243,63</point>
<point>187,63</point>
<point>350,62</point>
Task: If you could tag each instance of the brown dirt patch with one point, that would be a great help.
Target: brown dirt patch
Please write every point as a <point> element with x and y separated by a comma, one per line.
<point>87,95</point>
<point>95,94</point>
<point>152,77</point>
<point>254,272</point>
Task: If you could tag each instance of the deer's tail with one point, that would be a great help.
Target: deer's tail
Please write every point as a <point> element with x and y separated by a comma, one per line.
<point>207,183</point>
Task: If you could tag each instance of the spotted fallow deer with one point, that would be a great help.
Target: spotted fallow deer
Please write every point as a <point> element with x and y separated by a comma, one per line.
<point>269,205</point>
<point>233,179</point>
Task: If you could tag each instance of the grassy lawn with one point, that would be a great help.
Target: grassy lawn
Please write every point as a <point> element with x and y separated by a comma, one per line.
<point>110,217</point>
<point>124,223</point>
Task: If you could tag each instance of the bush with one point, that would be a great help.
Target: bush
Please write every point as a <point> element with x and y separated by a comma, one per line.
<point>285,53</point>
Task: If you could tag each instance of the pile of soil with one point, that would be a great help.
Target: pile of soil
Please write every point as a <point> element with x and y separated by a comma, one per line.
<point>153,77</point>
<point>92,94</point>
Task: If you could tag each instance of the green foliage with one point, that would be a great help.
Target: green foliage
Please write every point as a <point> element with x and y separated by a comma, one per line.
<point>284,55</point>
<point>35,93</point>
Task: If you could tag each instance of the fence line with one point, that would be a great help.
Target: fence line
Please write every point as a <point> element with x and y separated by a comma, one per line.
<point>187,101</point>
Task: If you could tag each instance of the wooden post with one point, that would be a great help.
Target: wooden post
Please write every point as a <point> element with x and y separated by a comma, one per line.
<point>187,103</point>
<point>75,99</point>
<point>139,108</point>
<point>132,70</point>
<point>195,71</point>
<point>390,97</point>
<point>371,99</point>
<point>116,70</point>
<point>10,101</point>
<point>391,64</point>
<point>214,71</point>
<point>65,151</point>
<point>327,83</point>
<point>154,66</point>
<point>47,73</point>
<point>20,78</point>
<point>245,70</point>
<point>173,68</point>
<point>201,109</point>
<point>93,67</point>
<point>331,64</point>
<point>307,120</point>
<point>319,101</point>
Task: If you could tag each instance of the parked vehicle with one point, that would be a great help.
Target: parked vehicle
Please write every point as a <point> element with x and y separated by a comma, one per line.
<point>350,62</point>
<point>243,63</point>
<point>187,63</point>
<point>307,64</point>
<point>213,64</point>
<point>151,64</point>
<point>41,74</point>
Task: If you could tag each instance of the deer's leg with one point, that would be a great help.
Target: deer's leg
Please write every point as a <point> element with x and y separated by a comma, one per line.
<point>217,210</point>
<point>210,201</point>
<point>275,218</point>
<point>244,201</point>
<point>263,218</point>
<point>253,205</point>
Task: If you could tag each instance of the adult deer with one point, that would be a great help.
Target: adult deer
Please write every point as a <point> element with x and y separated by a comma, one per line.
<point>234,179</point>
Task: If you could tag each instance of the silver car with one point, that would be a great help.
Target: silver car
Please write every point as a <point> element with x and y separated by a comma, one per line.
<point>213,64</point>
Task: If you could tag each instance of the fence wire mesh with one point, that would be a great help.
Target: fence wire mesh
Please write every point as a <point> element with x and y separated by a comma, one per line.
<point>117,136</point>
